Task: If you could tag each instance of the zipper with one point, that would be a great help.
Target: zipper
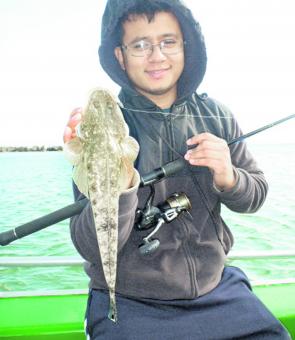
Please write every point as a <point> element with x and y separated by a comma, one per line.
<point>168,124</point>
<point>188,257</point>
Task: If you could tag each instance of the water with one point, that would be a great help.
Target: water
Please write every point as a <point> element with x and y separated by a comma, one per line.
<point>33,184</point>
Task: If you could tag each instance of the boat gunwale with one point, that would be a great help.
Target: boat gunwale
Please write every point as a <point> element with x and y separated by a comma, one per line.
<point>46,261</point>
<point>69,261</point>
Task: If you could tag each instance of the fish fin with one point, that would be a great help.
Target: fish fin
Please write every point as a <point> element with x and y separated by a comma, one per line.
<point>73,153</point>
<point>130,149</point>
<point>80,179</point>
<point>125,174</point>
<point>73,150</point>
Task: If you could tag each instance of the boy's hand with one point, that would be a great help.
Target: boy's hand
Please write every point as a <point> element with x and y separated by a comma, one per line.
<point>74,120</point>
<point>212,152</point>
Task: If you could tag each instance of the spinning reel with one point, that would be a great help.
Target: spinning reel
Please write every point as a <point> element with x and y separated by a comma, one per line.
<point>155,216</point>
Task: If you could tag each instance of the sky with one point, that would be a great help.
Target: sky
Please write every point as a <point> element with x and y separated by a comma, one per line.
<point>49,64</point>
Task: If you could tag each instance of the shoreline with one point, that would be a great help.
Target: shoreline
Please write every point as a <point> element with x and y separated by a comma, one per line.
<point>30,148</point>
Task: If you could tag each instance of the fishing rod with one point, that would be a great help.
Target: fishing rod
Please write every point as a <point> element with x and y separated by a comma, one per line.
<point>42,222</point>
<point>77,207</point>
<point>249,134</point>
<point>175,166</point>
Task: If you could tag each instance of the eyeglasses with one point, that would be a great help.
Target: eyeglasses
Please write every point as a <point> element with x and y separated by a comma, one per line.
<point>144,48</point>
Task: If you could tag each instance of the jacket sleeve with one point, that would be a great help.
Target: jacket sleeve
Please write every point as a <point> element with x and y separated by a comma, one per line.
<point>251,188</point>
<point>250,191</point>
<point>82,226</point>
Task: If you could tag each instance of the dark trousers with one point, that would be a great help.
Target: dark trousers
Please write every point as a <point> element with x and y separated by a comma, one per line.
<point>230,311</point>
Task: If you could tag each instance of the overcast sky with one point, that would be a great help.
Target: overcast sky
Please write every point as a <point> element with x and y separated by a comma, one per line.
<point>49,63</point>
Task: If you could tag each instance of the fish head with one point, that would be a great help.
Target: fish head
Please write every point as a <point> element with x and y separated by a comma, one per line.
<point>102,118</point>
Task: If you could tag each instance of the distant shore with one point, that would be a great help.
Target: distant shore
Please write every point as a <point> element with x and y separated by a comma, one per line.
<point>29,148</point>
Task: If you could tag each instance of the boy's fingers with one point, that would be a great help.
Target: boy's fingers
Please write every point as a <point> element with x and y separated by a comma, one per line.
<point>74,120</point>
<point>67,134</point>
<point>75,111</point>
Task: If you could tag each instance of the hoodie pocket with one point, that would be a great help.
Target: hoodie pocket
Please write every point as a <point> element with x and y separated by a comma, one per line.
<point>202,181</point>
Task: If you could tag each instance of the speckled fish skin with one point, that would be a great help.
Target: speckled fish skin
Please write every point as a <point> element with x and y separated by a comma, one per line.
<point>106,151</point>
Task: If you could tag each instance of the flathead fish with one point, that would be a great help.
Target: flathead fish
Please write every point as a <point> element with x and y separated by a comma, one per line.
<point>103,154</point>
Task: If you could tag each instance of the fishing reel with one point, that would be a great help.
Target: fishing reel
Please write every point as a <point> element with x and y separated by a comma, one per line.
<point>155,216</point>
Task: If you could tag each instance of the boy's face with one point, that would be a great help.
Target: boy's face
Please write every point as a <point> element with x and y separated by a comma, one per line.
<point>157,73</point>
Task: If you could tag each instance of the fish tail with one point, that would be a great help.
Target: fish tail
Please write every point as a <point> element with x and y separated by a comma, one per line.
<point>113,315</point>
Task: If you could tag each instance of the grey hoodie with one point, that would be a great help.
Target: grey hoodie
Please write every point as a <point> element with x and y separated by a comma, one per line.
<point>193,248</point>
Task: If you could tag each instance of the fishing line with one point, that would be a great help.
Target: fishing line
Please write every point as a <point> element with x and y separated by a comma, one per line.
<point>164,114</point>
<point>158,134</point>
<point>77,207</point>
<point>239,139</point>
<point>205,200</point>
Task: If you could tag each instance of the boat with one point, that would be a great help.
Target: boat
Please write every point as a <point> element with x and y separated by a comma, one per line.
<point>59,315</point>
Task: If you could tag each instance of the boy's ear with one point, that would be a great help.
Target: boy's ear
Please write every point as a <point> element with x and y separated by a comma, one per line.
<point>119,56</point>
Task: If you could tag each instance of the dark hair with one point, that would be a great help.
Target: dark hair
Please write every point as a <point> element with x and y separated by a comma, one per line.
<point>112,33</point>
<point>147,8</point>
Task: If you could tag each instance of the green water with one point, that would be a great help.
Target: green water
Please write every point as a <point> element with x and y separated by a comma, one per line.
<point>33,184</point>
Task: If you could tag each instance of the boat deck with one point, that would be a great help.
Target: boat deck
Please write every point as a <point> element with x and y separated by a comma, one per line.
<point>59,316</point>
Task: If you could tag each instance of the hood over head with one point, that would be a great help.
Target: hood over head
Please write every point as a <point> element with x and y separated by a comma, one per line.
<point>194,49</point>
